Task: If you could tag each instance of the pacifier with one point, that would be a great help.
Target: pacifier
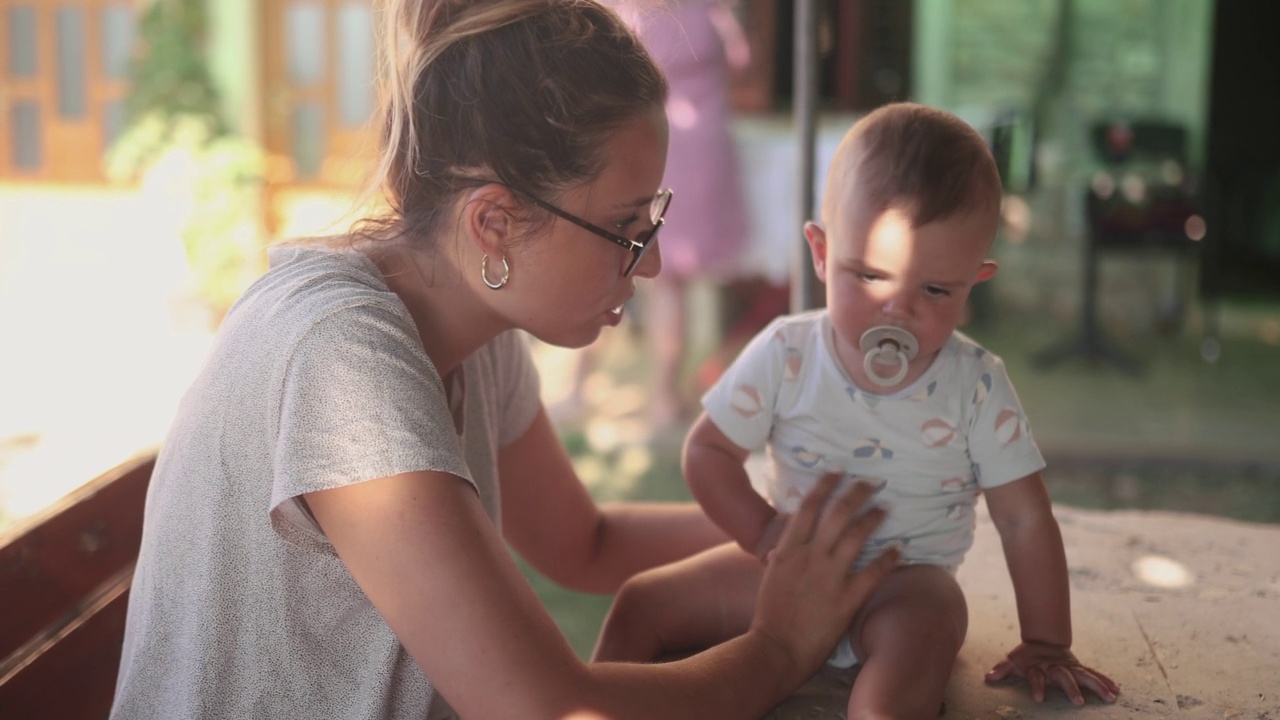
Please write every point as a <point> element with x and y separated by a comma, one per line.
<point>887,345</point>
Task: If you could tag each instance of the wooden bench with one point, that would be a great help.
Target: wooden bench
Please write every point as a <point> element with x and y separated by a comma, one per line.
<point>64,587</point>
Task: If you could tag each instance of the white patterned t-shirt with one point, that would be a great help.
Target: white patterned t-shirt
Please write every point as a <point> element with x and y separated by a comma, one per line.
<point>240,607</point>
<point>928,449</point>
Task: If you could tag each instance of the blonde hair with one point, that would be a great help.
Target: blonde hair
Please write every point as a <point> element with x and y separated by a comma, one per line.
<point>923,161</point>
<point>526,92</point>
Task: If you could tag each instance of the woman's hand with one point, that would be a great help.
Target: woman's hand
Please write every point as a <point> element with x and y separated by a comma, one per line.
<point>771,535</point>
<point>1042,664</point>
<point>809,594</point>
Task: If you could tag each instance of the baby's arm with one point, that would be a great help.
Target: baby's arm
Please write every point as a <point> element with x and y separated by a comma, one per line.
<point>1037,562</point>
<point>714,467</point>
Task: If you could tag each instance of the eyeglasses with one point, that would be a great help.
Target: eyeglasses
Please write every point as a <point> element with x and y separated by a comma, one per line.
<point>638,247</point>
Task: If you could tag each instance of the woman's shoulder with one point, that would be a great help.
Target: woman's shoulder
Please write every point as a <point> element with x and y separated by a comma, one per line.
<point>316,278</point>
<point>308,288</point>
<point>308,259</point>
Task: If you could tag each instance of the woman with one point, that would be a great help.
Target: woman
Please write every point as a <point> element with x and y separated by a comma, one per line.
<point>328,525</point>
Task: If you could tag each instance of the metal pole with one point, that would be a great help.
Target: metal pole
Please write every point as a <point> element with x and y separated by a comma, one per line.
<point>804,91</point>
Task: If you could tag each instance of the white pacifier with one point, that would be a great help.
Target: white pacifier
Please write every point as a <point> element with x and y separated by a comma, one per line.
<point>887,345</point>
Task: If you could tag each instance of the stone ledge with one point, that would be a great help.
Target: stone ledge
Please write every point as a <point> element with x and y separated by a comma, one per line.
<point>1179,609</point>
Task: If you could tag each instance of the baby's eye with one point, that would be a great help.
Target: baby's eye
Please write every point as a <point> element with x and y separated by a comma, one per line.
<point>935,291</point>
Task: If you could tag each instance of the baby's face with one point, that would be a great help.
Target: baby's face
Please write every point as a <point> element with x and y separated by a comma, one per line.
<point>882,271</point>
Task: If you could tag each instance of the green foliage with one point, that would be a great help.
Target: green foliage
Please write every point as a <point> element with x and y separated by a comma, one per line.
<point>171,74</point>
<point>177,142</point>
<point>216,178</point>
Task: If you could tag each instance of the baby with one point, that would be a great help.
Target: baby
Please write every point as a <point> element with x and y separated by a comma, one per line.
<point>878,387</point>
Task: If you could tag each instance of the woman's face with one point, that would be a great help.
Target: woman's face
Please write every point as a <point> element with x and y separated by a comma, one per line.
<point>567,283</point>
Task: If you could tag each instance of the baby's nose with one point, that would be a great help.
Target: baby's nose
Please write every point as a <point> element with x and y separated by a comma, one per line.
<point>898,305</point>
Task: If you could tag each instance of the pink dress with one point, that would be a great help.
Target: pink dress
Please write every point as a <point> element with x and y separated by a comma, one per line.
<point>706,226</point>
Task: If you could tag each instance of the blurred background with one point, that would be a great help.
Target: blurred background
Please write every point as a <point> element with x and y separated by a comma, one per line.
<point>150,151</point>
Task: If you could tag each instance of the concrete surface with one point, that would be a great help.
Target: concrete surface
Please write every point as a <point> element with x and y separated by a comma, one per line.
<point>1183,611</point>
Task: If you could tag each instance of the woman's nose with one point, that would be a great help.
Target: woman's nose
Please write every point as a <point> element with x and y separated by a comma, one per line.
<point>651,264</point>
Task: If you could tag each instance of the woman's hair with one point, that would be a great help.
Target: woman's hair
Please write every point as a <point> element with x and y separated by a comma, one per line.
<point>926,162</point>
<point>526,92</point>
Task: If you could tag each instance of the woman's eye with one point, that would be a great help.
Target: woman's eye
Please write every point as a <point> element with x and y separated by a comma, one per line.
<point>624,224</point>
<point>868,277</point>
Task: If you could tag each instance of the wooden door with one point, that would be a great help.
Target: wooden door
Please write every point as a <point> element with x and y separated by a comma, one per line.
<point>319,98</point>
<point>63,76</point>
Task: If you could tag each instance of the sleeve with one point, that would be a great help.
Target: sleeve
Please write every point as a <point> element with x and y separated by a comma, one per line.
<point>1000,444</point>
<point>742,401</point>
<point>520,396</point>
<point>360,400</point>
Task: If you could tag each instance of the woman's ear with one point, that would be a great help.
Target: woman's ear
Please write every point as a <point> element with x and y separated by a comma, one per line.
<point>817,239</point>
<point>487,220</point>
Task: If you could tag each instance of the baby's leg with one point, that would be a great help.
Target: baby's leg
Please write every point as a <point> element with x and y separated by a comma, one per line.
<point>907,636</point>
<point>692,604</point>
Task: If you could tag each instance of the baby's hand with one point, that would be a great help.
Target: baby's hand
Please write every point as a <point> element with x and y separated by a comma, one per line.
<point>769,538</point>
<point>1041,664</point>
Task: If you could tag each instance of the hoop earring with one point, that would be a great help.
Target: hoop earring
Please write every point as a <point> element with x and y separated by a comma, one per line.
<point>484,273</point>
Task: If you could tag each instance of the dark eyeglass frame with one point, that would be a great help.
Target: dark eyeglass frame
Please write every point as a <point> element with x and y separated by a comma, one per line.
<point>638,247</point>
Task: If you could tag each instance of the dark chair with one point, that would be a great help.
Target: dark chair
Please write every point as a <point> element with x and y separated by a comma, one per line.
<point>1143,198</point>
<point>65,576</point>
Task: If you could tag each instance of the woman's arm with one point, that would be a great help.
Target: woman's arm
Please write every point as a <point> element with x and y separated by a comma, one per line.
<point>422,549</point>
<point>552,521</point>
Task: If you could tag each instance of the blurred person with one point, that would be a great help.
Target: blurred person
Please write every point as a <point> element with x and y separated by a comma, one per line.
<point>879,386</point>
<point>697,43</point>
<point>329,527</point>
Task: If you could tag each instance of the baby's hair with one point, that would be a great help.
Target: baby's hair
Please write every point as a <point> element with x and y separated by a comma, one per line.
<point>925,162</point>
<point>526,92</point>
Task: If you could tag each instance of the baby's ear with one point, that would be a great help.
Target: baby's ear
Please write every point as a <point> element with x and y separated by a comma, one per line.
<point>817,239</point>
<point>986,271</point>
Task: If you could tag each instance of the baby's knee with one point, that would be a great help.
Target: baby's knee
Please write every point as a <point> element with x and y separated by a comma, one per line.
<point>641,602</point>
<point>920,601</point>
<point>633,628</point>
<point>952,608</point>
